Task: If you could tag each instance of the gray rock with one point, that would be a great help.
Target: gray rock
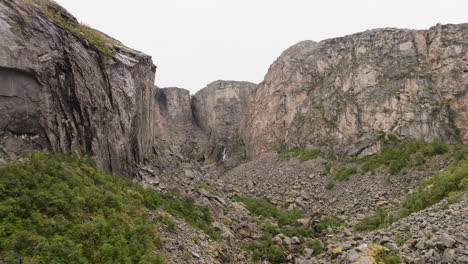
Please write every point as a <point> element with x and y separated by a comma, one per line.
<point>448,256</point>
<point>60,92</point>
<point>308,253</point>
<point>332,94</point>
<point>218,109</point>
<point>420,244</point>
<point>447,240</point>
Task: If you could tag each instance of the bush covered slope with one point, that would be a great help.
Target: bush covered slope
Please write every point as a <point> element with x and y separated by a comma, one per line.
<point>56,208</point>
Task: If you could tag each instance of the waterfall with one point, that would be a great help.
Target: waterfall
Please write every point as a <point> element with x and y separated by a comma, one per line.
<point>224,154</point>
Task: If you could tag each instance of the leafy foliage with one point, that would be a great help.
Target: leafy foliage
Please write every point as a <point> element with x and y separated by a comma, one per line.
<point>265,249</point>
<point>316,245</point>
<point>301,154</point>
<point>58,208</point>
<point>398,156</point>
<point>204,185</point>
<point>286,224</point>
<point>379,219</point>
<point>391,257</point>
<point>344,173</point>
<point>265,208</point>
<point>446,184</point>
<point>327,222</point>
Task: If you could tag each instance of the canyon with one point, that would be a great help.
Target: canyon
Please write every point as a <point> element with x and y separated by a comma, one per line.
<point>318,137</point>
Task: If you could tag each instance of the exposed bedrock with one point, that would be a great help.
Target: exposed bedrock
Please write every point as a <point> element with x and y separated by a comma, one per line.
<point>344,95</point>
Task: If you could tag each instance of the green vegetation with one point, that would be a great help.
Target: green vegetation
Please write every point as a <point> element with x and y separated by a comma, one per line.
<point>265,249</point>
<point>265,208</point>
<point>397,156</point>
<point>379,219</point>
<point>327,222</point>
<point>301,154</point>
<point>445,184</point>
<point>286,224</point>
<point>304,154</point>
<point>204,185</point>
<point>388,257</point>
<point>344,173</point>
<point>157,148</point>
<point>94,37</point>
<point>330,185</point>
<point>401,239</point>
<point>58,208</point>
<point>170,225</point>
<point>316,245</point>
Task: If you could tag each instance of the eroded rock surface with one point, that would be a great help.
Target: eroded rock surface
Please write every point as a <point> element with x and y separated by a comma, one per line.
<point>218,109</point>
<point>175,125</point>
<point>344,95</point>
<point>59,92</point>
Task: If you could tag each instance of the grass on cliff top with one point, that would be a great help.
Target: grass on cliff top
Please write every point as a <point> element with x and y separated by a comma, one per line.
<point>57,208</point>
<point>95,38</point>
<point>448,183</point>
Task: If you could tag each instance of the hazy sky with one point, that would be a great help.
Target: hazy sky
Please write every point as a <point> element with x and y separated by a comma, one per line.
<point>194,42</point>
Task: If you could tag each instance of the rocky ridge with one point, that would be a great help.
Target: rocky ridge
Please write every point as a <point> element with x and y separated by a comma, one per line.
<point>345,95</point>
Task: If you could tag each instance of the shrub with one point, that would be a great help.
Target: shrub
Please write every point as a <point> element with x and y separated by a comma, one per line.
<point>204,185</point>
<point>327,222</point>
<point>286,225</point>
<point>438,187</point>
<point>397,156</point>
<point>344,173</point>
<point>377,220</point>
<point>445,184</point>
<point>265,208</point>
<point>265,249</point>
<point>436,147</point>
<point>316,245</point>
<point>276,254</point>
<point>391,257</point>
<point>301,154</point>
<point>59,208</point>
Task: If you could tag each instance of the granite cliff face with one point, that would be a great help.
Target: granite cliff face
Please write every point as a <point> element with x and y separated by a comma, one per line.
<point>218,109</point>
<point>175,125</point>
<point>61,92</point>
<point>345,95</point>
<point>204,126</point>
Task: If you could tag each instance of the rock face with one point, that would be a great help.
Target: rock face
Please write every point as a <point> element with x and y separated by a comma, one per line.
<point>60,92</point>
<point>175,124</point>
<point>345,95</point>
<point>218,109</point>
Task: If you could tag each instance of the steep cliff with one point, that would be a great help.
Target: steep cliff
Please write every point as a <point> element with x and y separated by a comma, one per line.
<point>175,125</point>
<point>345,95</point>
<point>69,88</point>
<point>218,109</point>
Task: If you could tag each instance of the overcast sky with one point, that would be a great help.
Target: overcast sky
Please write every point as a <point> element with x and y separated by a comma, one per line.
<point>194,42</point>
